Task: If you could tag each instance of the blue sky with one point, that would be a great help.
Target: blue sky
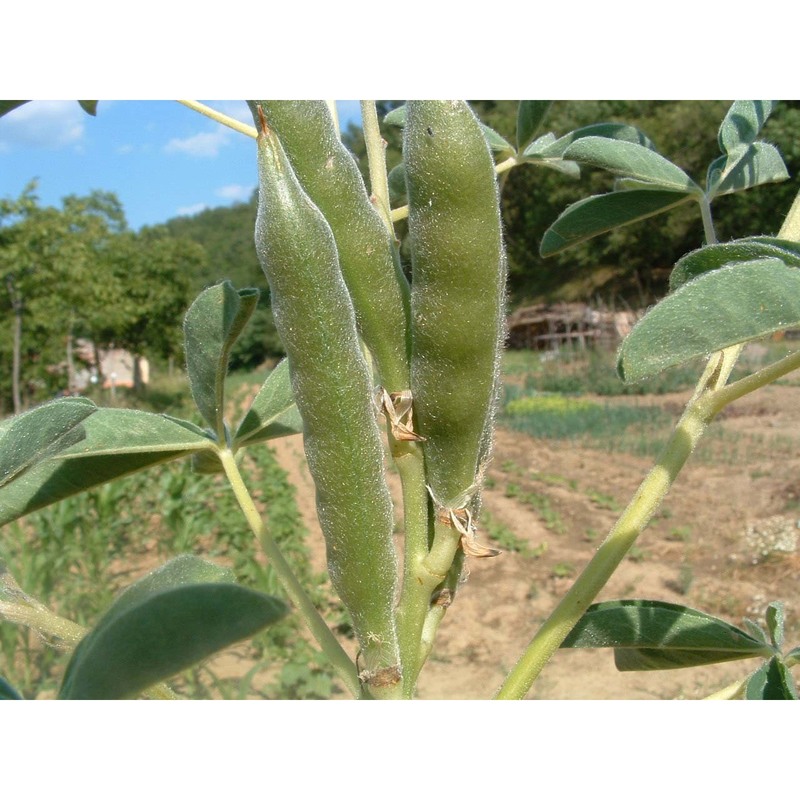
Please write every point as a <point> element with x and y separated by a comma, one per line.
<point>160,158</point>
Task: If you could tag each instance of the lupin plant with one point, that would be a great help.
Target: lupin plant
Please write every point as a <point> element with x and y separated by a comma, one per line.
<point>385,367</point>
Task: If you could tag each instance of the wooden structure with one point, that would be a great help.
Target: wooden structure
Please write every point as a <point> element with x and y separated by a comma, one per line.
<point>550,327</point>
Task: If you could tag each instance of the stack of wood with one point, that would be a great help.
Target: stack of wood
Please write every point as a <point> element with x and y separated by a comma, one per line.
<point>549,327</point>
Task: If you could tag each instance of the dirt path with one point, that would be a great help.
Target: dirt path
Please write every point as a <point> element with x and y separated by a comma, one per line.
<point>557,502</point>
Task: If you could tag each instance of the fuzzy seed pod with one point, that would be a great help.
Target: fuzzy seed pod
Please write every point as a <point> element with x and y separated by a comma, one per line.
<point>457,292</point>
<point>333,390</point>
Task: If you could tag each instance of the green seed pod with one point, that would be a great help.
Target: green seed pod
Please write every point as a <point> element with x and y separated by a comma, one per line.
<point>333,390</point>
<point>367,256</point>
<point>457,292</point>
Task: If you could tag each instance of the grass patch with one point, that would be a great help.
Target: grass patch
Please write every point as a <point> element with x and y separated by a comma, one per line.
<point>638,429</point>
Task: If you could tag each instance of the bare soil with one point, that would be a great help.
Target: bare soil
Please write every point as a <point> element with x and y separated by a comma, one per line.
<point>705,548</point>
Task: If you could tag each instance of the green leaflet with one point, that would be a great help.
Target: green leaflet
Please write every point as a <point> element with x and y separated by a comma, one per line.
<point>40,433</point>
<point>742,123</point>
<point>530,116</point>
<point>273,413</point>
<point>117,442</point>
<point>728,306</point>
<point>89,106</point>
<point>7,691</point>
<point>212,325</point>
<point>549,147</point>
<point>715,256</point>
<point>772,681</point>
<point>172,618</point>
<point>775,624</point>
<point>650,634</point>
<point>630,159</point>
<point>604,212</point>
<point>759,163</point>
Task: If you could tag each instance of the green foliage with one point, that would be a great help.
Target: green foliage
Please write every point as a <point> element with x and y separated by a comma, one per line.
<point>732,305</point>
<point>651,634</point>
<point>438,355</point>
<point>161,625</point>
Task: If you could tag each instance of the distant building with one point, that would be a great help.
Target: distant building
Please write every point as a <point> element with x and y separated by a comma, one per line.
<point>117,367</point>
<point>549,327</point>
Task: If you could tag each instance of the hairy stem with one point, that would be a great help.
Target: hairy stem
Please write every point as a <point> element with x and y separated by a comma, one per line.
<point>415,596</point>
<point>316,624</point>
<point>609,555</point>
<point>734,691</point>
<point>223,119</point>
<point>708,222</point>
<point>376,157</point>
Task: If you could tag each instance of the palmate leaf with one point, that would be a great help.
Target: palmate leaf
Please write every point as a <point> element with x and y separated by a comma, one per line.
<point>40,433</point>
<point>715,256</point>
<point>650,634</point>
<point>772,681</point>
<point>273,412</point>
<point>171,619</point>
<point>212,325</point>
<point>117,442</point>
<point>731,305</point>
<point>604,212</point>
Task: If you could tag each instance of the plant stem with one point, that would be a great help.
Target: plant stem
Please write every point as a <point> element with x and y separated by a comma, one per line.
<point>609,555</point>
<point>376,158</point>
<point>415,597</point>
<point>223,119</point>
<point>734,691</point>
<point>710,397</point>
<point>708,222</point>
<point>316,624</point>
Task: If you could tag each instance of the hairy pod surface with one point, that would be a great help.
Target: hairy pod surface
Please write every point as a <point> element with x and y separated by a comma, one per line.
<point>457,290</point>
<point>333,390</point>
<point>367,256</point>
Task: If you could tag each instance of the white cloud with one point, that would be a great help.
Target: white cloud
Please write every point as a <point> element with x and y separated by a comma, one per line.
<point>201,145</point>
<point>188,211</point>
<point>50,124</point>
<point>125,149</point>
<point>234,191</point>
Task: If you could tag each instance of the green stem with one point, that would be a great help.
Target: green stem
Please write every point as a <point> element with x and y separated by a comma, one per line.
<point>294,590</point>
<point>708,222</point>
<point>608,556</point>
<point>414,597</point>
<point>734,691</point>
<point>376,158</point>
